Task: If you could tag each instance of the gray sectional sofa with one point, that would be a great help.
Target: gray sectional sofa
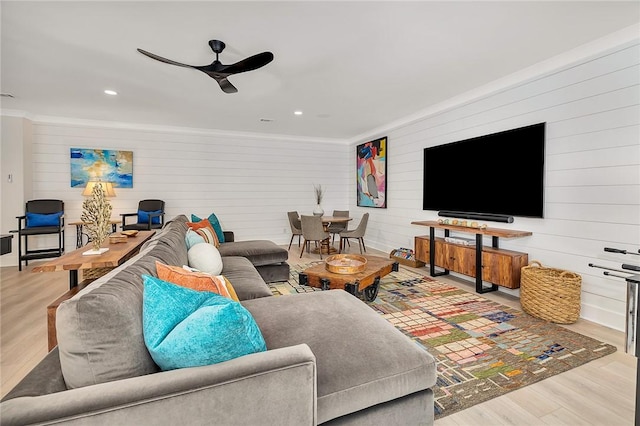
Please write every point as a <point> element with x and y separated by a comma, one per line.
<point>330,360</point>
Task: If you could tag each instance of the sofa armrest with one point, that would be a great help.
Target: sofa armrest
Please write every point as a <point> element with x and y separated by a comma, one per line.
<point>273,387</point>
<point>228,236</point>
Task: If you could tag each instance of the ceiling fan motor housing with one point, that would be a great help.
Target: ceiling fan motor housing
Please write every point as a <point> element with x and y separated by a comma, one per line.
<point>217,46</point>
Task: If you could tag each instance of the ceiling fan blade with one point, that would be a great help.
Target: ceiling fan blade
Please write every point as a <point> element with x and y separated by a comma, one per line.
<point>226,85</point>
<point>250,64</point>
<point>165,60</point>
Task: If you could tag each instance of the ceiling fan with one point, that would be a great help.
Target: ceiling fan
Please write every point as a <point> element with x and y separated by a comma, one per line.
<point>217,70</point>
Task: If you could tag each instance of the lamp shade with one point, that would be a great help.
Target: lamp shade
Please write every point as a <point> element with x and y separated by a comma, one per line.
<point>107,187</point>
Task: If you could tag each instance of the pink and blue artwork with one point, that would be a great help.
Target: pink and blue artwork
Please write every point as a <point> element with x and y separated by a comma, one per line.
<point>371,170</point>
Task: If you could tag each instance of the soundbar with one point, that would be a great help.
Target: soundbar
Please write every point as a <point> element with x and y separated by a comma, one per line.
<point>477,216</point>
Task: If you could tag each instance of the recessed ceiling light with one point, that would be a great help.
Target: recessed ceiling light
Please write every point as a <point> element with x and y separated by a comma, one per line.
<point>297,112</point>
<point>111,92</point>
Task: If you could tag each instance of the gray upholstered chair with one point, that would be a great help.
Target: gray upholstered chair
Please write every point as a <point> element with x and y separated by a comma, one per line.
<point>296,227</point>
<point>150,216</point>
<point>42,217</point>
<point>337,228</point>
<point>313,230</point>
<point>356,233</point>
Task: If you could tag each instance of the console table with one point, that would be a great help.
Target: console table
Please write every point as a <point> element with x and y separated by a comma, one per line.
<point>73,262</point>
<point>80,231</point>
<point>96,264</point>
<point>492,264</point>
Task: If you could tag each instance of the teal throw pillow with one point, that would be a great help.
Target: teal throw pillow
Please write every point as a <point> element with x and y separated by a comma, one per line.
<point>192,238</point>
<point>143,217</point>
<point>214,222</point>
<point>36,219</point>
<point>187,328</point>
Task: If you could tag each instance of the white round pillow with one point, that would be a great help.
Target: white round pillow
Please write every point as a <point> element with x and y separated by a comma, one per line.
<point>205,258</point>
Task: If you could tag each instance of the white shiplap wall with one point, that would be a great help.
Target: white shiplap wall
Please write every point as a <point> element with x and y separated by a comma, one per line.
<point>592,177</point>
<point>249,181</point>
<point>592,194</point>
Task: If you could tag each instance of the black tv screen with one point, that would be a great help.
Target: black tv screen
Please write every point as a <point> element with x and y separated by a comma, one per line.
<point>501,173</point>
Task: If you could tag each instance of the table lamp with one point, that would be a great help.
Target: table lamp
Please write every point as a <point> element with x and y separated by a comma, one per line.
<point>107,187</point>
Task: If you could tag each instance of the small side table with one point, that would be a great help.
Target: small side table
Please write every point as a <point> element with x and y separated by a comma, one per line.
<point>80,234</point>
<point>5,243</point>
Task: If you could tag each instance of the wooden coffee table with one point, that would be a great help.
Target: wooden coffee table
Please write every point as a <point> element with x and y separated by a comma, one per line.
<point>363,284</point>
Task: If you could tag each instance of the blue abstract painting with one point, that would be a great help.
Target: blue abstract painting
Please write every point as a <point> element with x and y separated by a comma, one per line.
<point>103,164</point>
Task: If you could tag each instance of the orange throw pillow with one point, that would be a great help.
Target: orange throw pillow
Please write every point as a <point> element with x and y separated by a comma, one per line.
<point>205,230</point>
<point>198,281</point>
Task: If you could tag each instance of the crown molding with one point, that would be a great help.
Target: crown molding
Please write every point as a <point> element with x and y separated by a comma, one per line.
<point>77,122</point>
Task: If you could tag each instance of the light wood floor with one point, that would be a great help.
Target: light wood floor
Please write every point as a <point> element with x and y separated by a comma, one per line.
<point>601,392</point>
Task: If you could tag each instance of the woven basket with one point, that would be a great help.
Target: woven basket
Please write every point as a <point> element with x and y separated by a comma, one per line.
<point>550,294</point>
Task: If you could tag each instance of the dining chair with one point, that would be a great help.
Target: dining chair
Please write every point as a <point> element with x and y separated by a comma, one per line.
<point>337,228</point>
<point>356,233</point>
<point>313,230</point>
<point>296,226</point>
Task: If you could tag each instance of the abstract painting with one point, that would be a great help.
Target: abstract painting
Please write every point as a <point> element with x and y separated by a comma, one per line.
<point>371,170</point>
<point>103,164</point>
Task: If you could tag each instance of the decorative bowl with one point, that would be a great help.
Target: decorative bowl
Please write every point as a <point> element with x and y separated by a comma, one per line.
<point>130,233</point>
<point>346,263</point>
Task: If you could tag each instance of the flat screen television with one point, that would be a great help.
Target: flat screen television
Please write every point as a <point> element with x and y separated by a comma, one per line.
<point>497,174</point>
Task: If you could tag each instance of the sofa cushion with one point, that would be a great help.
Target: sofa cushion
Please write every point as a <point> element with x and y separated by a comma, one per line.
<point>246,281</point>
<point>192,238</point>
<point>35,220</point>
<point>143,216</point>
<point>377,365</point>
<point>205,258</point>
<point>195,280</point>
<point>99,330</point>
<point>215,223</point>
<point>259,252</point>
<point>205,230</point>
<point>187,328</point>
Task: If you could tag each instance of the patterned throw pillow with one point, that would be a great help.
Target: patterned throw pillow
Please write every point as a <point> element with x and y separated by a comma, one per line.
<point>205,230</point>
<point>215,223</point>
<point>198,281</point>
<point>186,328</point>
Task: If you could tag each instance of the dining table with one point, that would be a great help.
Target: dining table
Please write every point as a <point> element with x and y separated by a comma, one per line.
<point>326,222</point>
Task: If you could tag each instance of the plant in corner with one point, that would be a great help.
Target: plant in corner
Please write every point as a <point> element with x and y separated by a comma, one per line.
<point>96,213</point>
<point>319,194</point>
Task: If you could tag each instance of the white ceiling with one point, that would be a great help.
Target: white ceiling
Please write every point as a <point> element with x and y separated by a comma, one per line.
<point>349,66</point>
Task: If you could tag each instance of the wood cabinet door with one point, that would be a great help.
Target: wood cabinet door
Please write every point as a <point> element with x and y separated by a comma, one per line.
<point>442,256</point>
<point>463,259</point>
<point>503,267</point>
<point>422,249</point>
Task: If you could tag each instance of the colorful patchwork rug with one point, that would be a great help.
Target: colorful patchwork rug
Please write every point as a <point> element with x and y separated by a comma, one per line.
<point>483,349</point>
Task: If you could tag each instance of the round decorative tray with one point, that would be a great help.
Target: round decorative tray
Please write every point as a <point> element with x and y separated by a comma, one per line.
<point>345,263</point>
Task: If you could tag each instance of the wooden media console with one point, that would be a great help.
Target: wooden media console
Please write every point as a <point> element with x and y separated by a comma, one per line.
<point>499,267</point>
